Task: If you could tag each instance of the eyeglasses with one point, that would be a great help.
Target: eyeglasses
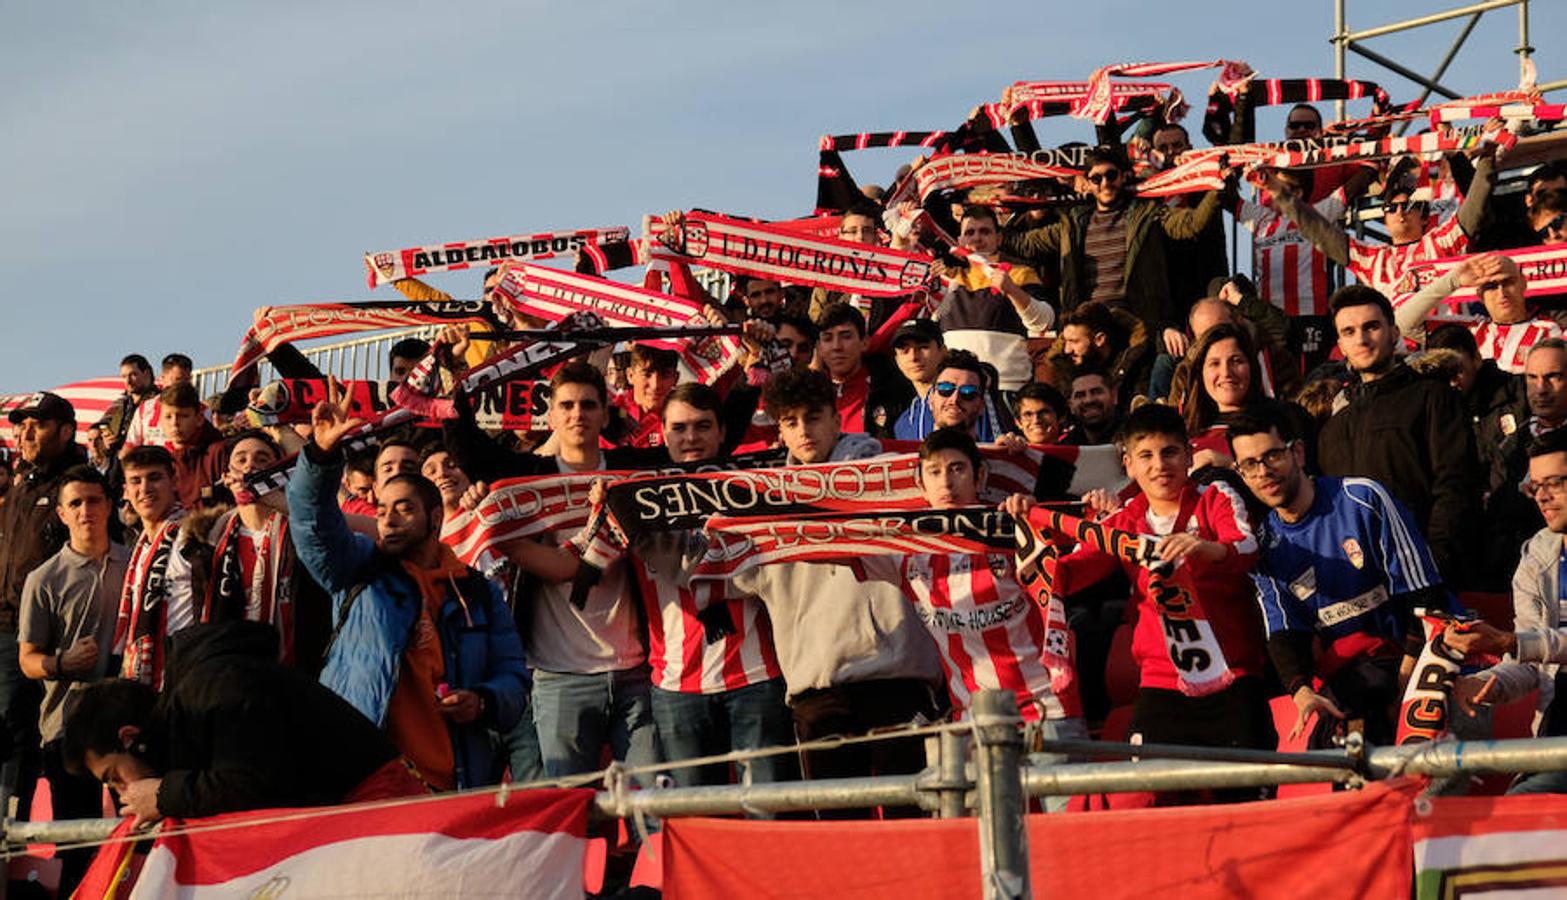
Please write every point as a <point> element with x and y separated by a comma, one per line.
<point>1302,125</point>
<point>1403,206</point>
<point>1109,175</point>
<point>1272,459</point>
<point>1556,224</point>
<point>1550,484</point>
<point>964,391</point>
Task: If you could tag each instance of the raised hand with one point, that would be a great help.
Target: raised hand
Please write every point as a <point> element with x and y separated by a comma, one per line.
<point>330,420</point>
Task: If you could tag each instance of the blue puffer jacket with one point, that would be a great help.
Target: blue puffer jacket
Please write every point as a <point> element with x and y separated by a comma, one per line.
<point>377,605</point>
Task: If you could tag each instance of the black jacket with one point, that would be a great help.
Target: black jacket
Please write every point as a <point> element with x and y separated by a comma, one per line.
<point>1493,397</point>
<point>1411,434</point>
<point>236,730</point>
<point>1511,518</point>
<point>30,532</point>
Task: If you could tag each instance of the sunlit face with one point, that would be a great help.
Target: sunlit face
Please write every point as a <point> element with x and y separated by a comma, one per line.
<point>650,384</point>
<point>1092,400</point>
<point>136,381</point>
<point>577,415</point>
<point>691,434</point>
<point>918,358</point>
<point>1503,295</point>
<point>85,510</point>
<point>799,345</point>
<point>40,440</point>
<point>1405,218</point>
<point>1365,337</point>
<point>401,519</point>
<point>1206,315</point>
<point>980,234</point>
<point>1551,499</point>
<point>442,470</point>
<point>958,399</point>
<point>811,434</point>
<point>763,298</point>
<point>840,348</point>
<point>173,375</point>
<point>859,229</point>
<point>1106,182</point>
<point>1303,124</point>
<point>1274,469</point>
<point>1545,384</point>
<point>948,479</point>
<point>1158,463</point>
<point>1226,374</point>
<point>151,492</point>
<point>180,426</point>
<point>250,456</point>
<point>395,459</point>
<point>1168,145</point>
<point>1079,344</point>
<point>1038,421</point>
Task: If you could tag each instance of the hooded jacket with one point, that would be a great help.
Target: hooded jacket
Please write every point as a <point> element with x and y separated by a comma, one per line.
<point>1542,642</point>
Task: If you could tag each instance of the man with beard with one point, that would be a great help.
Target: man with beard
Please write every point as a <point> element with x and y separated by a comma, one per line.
<point>1511,517</point>
<point>1094,411</point>
<point>30,532</point>
<point>1406,432</point>
<point>425,647</point>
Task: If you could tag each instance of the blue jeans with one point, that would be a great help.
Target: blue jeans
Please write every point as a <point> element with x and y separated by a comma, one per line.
<point>1073,729</point>
<point>521,745</point>
<point>1541,783</point>
<point>577,716</point>
<point>748,718</point>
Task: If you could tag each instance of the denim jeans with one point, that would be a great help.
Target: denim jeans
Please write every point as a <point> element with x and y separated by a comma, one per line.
<point>1073,729</point>
<point>521,746</point>
<point>577,716</point>
<point>692,725</point>
<point>1541,783</point>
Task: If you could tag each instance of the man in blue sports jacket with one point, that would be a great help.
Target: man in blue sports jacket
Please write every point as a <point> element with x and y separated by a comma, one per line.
<point>422,645</point>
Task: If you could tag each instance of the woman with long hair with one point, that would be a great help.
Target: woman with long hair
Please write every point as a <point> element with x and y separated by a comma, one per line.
<point>1227,380</point>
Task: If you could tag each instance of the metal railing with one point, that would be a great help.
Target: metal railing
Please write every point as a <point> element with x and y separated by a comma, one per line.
<point>993,778</point>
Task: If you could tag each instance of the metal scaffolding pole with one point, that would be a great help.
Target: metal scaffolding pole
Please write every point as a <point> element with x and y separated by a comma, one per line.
<point>1394,27</point>
<point>1003,827</point>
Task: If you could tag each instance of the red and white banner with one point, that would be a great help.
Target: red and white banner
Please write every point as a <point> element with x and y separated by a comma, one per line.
<point>90,399</point>
<point>553,294</point>
<point>288,401</point>
<point>1491,847</point>
<point>277,325</point>
<point>1351,845</point>
<point>456,846</point>
<point>783,253</point>
<point>392,265</point>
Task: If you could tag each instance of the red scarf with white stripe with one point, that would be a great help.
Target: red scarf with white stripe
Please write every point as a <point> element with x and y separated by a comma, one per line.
<point>1544,271</point>
<point>395,265</point>
<point>277,325</point>
<point>267,596</point>
<point>143,621</point>
<point>784,253</point>
<point>1194,649</point>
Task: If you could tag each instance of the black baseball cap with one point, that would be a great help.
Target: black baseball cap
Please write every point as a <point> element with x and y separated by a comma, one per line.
<point>44,405</point>
<point>918,329</point>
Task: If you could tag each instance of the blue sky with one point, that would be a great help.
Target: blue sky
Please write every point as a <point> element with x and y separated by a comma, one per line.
<point>166,168</point>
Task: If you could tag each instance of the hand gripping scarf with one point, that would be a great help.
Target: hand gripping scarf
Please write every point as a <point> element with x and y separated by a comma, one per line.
<point>289,401</point>
<point>394,265</point>
<point>1194,650</point>
<point>1100,100</point>
<point>143,620</point>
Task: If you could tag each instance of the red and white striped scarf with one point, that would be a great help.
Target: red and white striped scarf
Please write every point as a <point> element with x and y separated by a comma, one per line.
<point>771,251</point>
<point>1194,649</point>
<point>276,325</point>
<point>972,170</point>
<point>1043,99</point>
<point>394,265</point>
<point>1424,713</point>
<point>1544,271</point>
<point>1515,105</point>
<point>288,401</point>
<point>143,620</point>
<point>552,295</point>
<point>1100,100</point>
<point>268,596</point>
<point>520,508</point>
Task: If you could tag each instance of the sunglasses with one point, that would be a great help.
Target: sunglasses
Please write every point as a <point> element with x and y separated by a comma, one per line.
<point>1110,175</point>
<point>1556,224</point>
<point>1403,206</point>
<point>964,392</point>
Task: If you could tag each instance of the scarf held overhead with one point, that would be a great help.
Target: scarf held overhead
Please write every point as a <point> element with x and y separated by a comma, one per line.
<point>277,325</point>
<point>394,265</point>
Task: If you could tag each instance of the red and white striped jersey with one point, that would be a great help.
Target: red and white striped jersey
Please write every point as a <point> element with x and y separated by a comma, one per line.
<point>679,653</point>
<point>1382,266</point>
<point>989,633</point>
<point>1445,199</point>
<point>1290,272</point>
<point>1508,345</point>
<point>146,425</point>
